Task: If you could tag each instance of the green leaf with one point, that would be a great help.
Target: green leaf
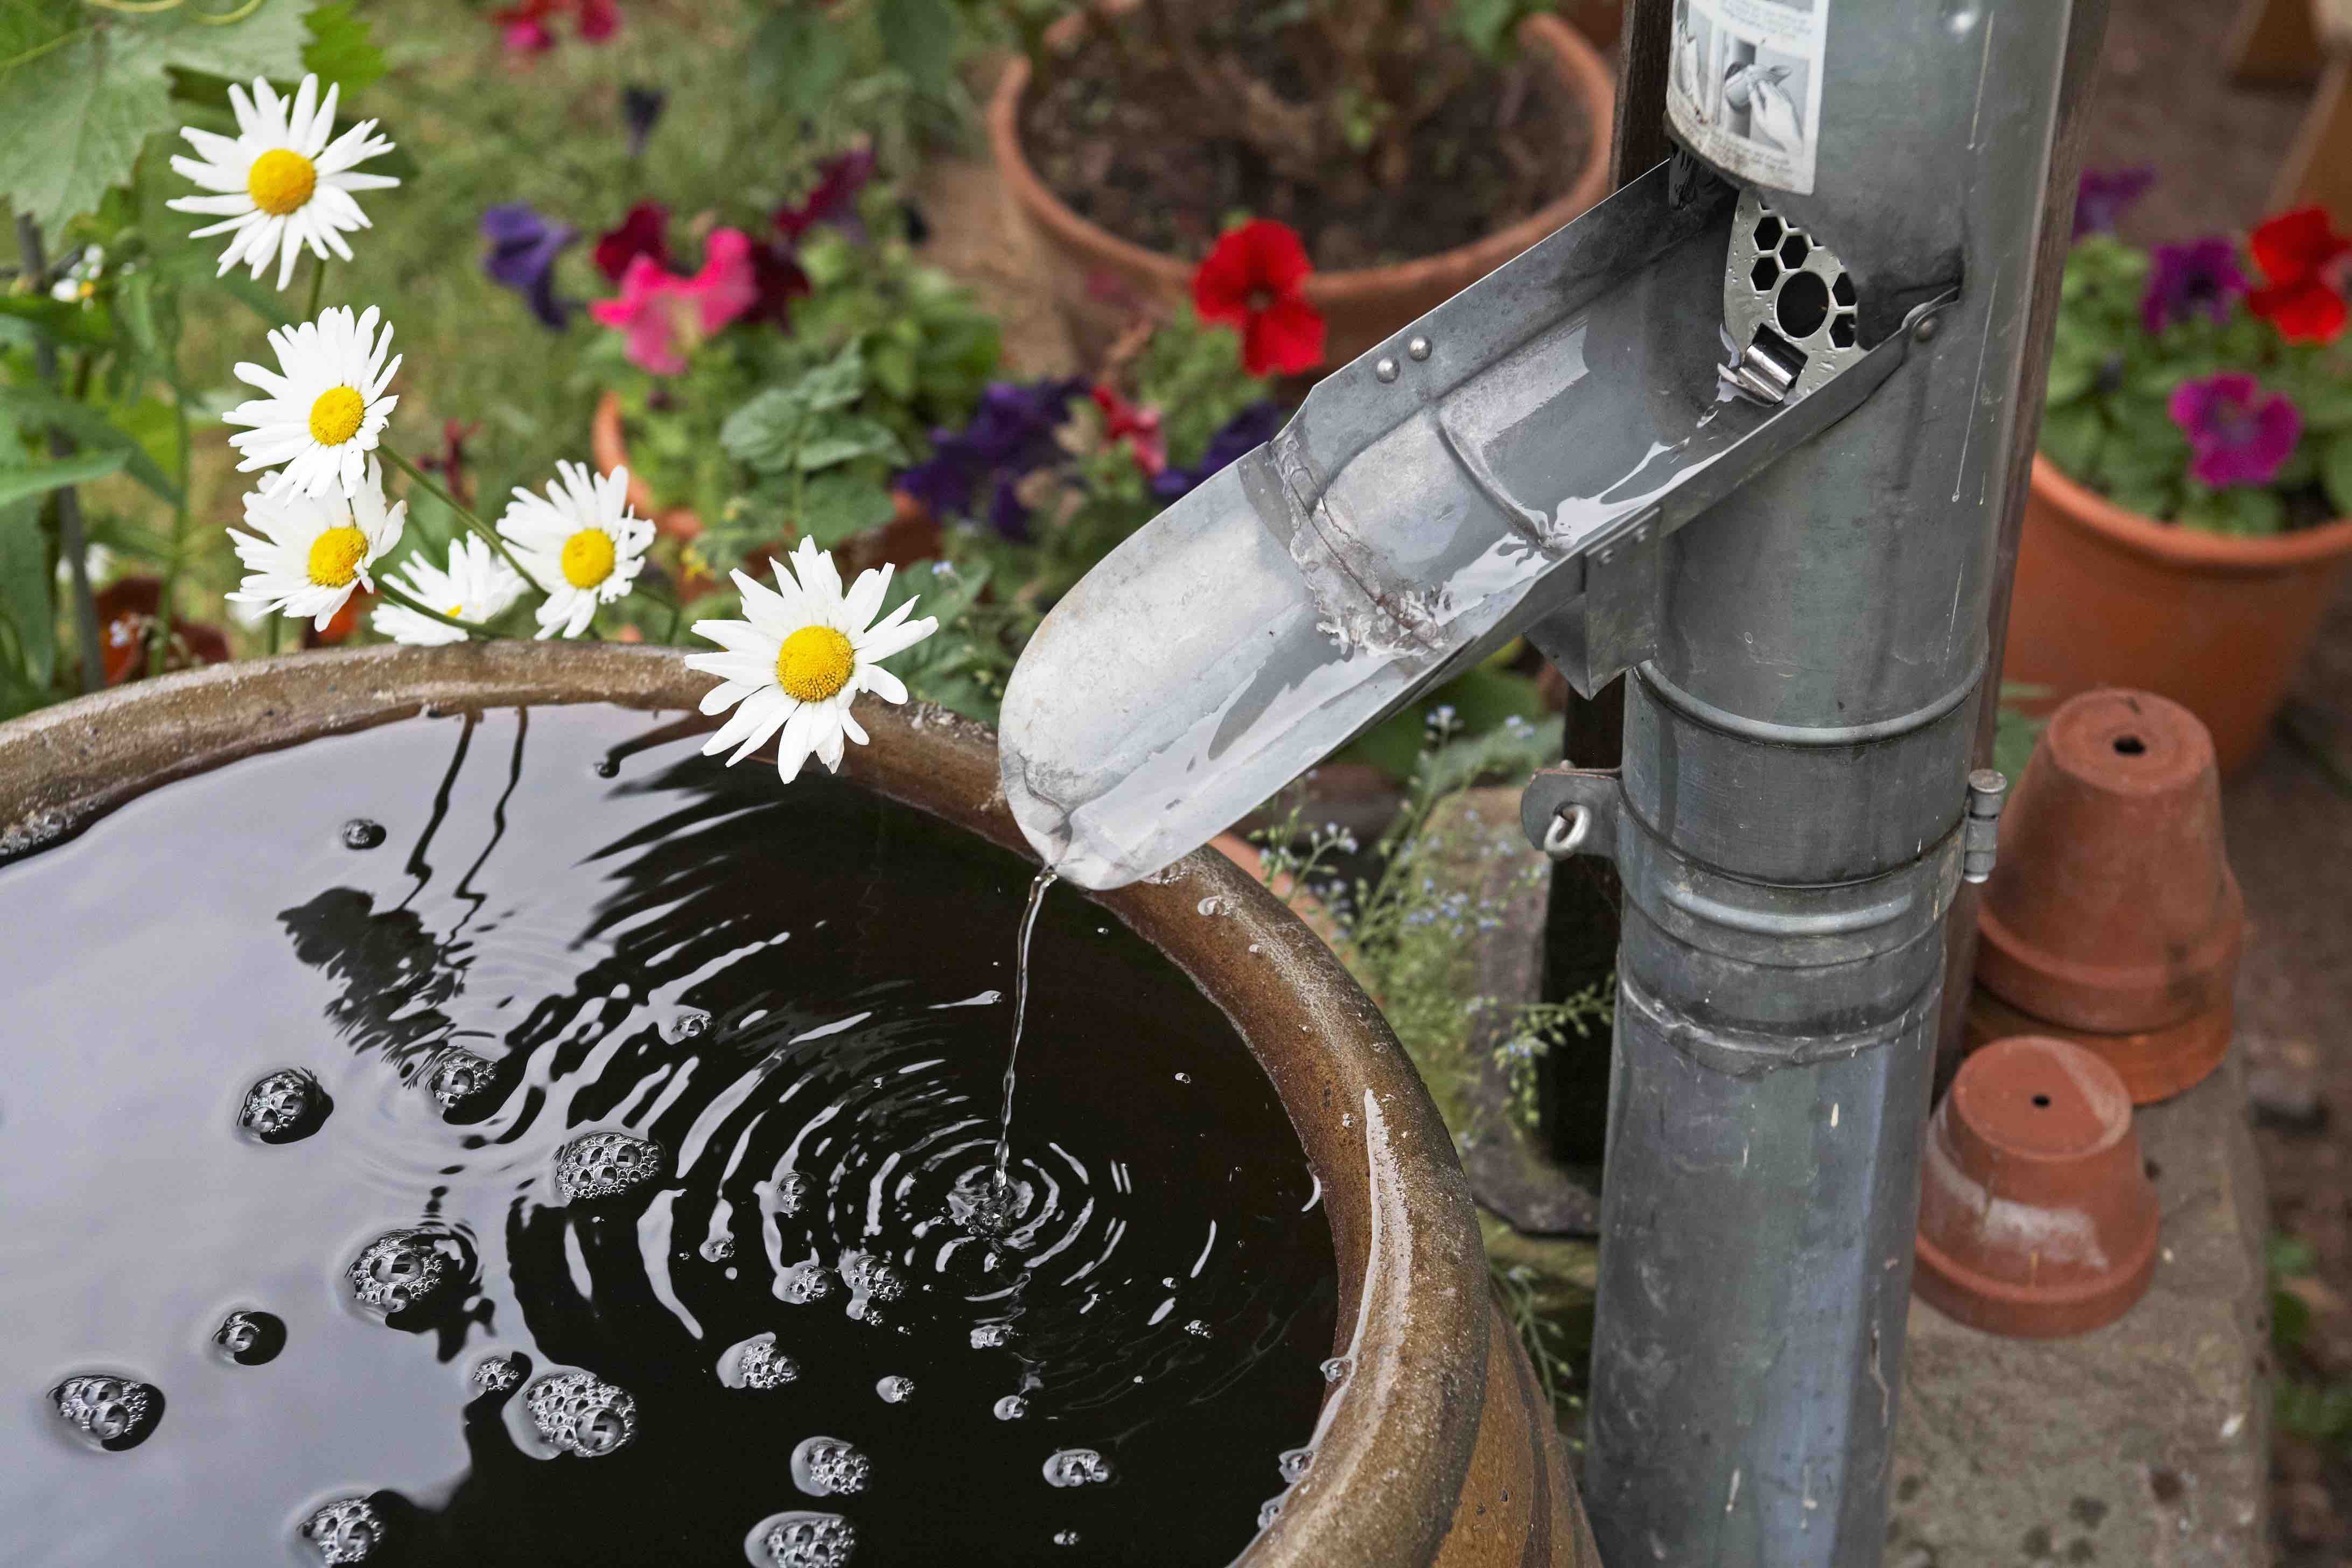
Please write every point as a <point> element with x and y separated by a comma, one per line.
<point>2239,510</point>
<point>68,323</point>
<point>921,37</point>
<point>23,484</point>
<point>25,603</point>
<point>81,88</point>
<point>1487,25</point>
<point>834,506</point>
<point>797,58</point>
<point>2072,435</point>
<point>845,438</point>
<point>765,434</point>
<point>339,49</point>
<point>2336,472</point>
<point>836,383</point>
<point>35,407</point>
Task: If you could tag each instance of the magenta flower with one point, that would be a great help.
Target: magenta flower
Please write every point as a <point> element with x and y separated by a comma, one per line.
<point>2240,434</point>
<point>665,315</point>
<point>2200,277</point>
<point>835,200</point>
<point>2103,196</point>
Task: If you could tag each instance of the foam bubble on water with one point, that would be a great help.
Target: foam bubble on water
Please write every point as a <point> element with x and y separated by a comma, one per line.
<point>788,1193</point>
<point>283,1107</point>
<point>1334,1369</point>
<point>1183,1077</point>
<point>606,1165</point>
<point>799,1540</point>
<point>347,1530</point>
<point>1077,1468</point>
<point>870,1278</point>
<point>805,1281</point>
<point>684,1025</point>
<point>360,833</point>
<point>978,1203</point>
<point>827,1466</point>
<point>1268,1512</point>
<point>397,1270</point>
<point>896,1390</point>
<point>1066,1538</point>
<point>1197,1329</point>
<point>498,1374</point>
<point>457,1076</point>
<point>757,1363</point>
<point>111,1410</point>
<point>1293,1463</point>
<point>1213,906</point>
<point>581,1414</point>
<point>990,1336</point>
<point>250,1338</point>
<point>1012,1407</point>
<point>716,1248</point>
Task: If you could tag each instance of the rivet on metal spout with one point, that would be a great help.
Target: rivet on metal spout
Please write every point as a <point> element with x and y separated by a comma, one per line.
<point>1980,842</point>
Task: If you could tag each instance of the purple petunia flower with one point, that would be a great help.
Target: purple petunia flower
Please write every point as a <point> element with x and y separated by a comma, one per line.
<point>2240,434</point>
<point>1252,427</point>
<point>835,200</point>
<point>523,247</point>
<point>2201,277</point>
<point>2103,196</point>
<point>640,108</point>
<point>1010,436</point>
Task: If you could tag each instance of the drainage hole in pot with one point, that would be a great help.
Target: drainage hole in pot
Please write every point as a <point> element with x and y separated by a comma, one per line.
<point>2041,1102</point>
<point>2130,745</point>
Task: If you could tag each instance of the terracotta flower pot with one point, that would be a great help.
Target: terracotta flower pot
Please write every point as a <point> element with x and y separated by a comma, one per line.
<point>1439,1448</point>
<point>2036,1216</point>
<point>1359,306</point>
<point>911,535</point>
<point>2109,597</point>
<point>2113,913</point>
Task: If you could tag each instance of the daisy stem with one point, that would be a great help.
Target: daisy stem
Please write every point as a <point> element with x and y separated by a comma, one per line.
<point>318,285</point>
<point>274,623</point>
<point>496,539</point>
<point>387,591</point>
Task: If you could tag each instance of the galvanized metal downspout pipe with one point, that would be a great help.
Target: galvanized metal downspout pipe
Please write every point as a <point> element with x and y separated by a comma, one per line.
<point>1791,823</point>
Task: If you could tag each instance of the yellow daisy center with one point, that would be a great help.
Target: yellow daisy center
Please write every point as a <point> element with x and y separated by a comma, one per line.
<point>813,663</point>
<point>588,558</point>
<point>335,416</point>
<point>280,181</point>
<point>335,556</point>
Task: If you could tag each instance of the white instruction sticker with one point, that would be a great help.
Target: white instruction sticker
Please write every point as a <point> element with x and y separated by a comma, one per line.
<point>1743,87</point>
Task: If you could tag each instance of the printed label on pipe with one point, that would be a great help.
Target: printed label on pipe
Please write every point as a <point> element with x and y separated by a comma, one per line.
<point>1744,86</point>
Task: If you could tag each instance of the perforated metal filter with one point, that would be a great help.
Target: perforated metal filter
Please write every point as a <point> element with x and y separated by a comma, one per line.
<point>1787,305</point>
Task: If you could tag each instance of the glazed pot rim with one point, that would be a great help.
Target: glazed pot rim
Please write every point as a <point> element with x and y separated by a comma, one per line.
<point>2189,548</point>
<point>1393,1446</point>
<point>1575,65</point>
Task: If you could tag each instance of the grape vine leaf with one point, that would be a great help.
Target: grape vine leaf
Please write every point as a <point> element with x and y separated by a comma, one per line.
<point>81,88</point>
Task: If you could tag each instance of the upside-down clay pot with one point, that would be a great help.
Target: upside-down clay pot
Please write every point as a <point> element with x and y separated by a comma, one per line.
<point>2036,1217</point>
<point>1101,281</point>
<point>2107,596</point>
<point>2112,912</point>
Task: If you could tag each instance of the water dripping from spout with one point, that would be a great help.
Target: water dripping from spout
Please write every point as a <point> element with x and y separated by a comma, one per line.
<point>1001,1186</point>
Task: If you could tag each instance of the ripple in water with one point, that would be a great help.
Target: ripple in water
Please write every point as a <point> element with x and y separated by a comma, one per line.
<point>637,1075</point>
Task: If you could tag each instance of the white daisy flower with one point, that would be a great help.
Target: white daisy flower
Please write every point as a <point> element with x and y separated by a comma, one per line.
<point>476,587</point>
<point>804,656</point>
<point>309,552</point>
<point>324,408</point>
<point>281,185</point>
<point>579,542</point>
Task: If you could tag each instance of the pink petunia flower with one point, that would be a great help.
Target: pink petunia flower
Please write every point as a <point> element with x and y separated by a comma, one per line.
<point>2238,434</point>
<point>665,315</point>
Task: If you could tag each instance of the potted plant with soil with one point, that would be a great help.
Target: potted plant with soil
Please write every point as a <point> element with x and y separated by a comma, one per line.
<point>1412,146</point>
<point>2191,513</point>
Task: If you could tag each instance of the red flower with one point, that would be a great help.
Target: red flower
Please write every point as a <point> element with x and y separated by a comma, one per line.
<point>1139,427</point>
<point>598,20</point>
<point>639,233</point>
<point>2308,264</point>
<point>1252,280</point>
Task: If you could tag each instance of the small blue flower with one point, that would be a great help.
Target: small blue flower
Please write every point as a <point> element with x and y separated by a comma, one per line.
<point>523,248</point>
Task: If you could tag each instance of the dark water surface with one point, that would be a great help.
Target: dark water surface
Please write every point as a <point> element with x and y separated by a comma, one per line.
<point>802,996</point>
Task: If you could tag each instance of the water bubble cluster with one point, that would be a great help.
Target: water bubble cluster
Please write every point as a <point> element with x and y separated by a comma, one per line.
<point>397,1270</point>
<point>870,1278</point>
<point>1066,1538</point>
<point>498,1373</point>
<point>990,1336</point>
<point>606,1165</point>
<point>113,1412</point>
<point>360,833</point>
<point>802,1541</point>
<point>283,1107</point>
<point>1077,1468</point>
<point>458,1076</point>
<point>684,1025</point>
<point>1197,1329</point>
<point>804,1282</point>
<point>1012,1407</point>
<point>250,1338</point>
<point>827,1466</point>
<point>1334,1369</point>
<point>896,1390</point>
<point>718,1249</point>
<point>788,1194</point>
<point>583,1415</point>
<point>757,1363</point>
<point>1293,1463</point>
<point>347,1530</point>
<point>1268,1512</point>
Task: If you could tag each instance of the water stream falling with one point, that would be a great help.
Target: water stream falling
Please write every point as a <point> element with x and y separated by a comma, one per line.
<point>511,1138</point>
<point>1045,880</point>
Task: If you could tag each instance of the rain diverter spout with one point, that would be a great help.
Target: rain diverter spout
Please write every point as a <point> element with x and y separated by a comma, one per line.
<point>1507,464</point>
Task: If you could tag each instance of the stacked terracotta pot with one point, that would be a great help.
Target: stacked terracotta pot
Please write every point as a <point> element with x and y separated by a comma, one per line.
<point>2109,938</point>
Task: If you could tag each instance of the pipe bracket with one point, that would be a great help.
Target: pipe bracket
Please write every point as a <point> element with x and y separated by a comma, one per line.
<point>1571,811</point>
